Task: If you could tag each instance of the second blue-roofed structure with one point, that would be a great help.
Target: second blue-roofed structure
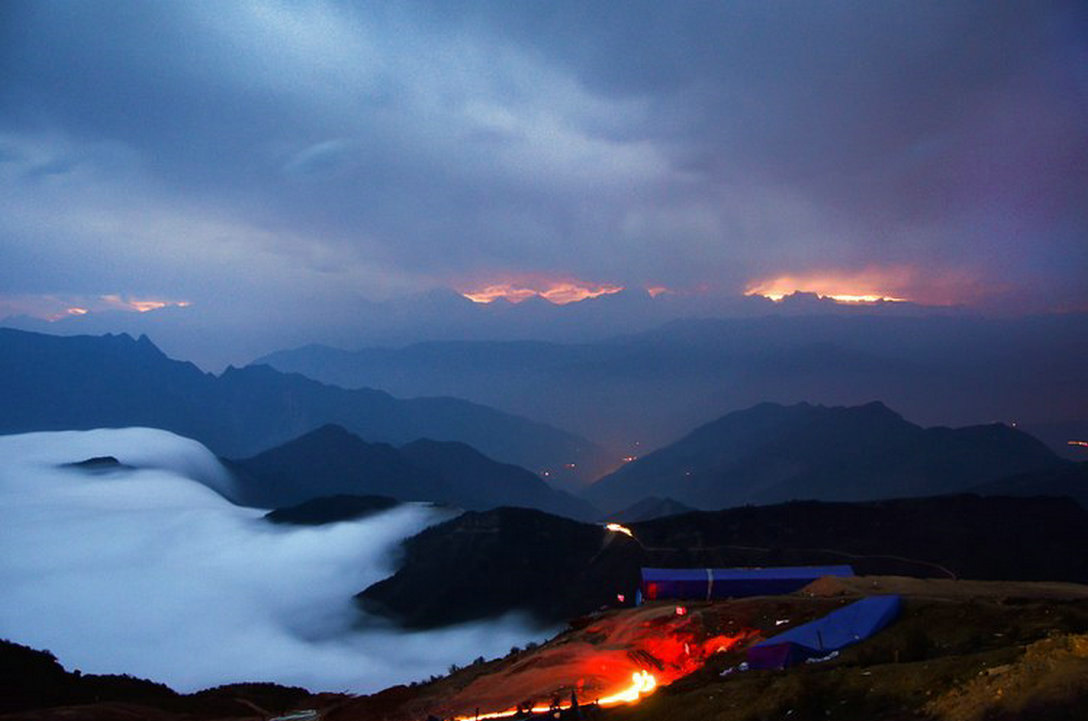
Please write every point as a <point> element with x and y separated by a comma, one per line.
<point>835,631</point>
<point>708,583</point>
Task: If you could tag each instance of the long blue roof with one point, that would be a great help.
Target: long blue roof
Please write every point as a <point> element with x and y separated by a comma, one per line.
<point>742,574</point>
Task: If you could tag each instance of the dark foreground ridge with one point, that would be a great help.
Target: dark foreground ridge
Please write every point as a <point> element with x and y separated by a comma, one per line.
<point>959,651</point>
<point>482,564</point>
<point>32,680</point>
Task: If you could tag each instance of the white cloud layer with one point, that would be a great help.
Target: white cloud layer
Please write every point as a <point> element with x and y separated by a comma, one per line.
<point>150,572</point>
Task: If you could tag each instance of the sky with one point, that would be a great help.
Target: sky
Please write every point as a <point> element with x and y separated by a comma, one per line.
<point>253,162</point>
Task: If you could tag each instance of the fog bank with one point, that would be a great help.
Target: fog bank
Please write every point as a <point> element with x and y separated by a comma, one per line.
<point>147,570</point>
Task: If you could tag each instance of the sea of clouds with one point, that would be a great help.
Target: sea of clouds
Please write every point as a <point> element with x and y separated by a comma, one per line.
<point>149,571</point>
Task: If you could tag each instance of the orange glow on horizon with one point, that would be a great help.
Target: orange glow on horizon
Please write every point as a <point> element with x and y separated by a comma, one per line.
<point>559,292</point>
<point>870,286</point>
<point>1078,443</point>
<point>53,308</point>
<point>617,528</point>
<point>139,305</point>
<point>656,290</point>
<point>874,284</point>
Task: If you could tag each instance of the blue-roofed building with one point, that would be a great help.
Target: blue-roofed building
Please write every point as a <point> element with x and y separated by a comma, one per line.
<point>710,583</point>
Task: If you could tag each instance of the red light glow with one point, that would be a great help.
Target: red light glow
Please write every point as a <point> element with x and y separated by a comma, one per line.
<point>619,659</point>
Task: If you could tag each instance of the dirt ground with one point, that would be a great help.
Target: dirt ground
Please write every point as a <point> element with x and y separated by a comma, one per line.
<point>960,651</point>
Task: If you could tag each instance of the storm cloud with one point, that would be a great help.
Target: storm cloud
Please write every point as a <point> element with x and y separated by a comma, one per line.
<point>310,157</point>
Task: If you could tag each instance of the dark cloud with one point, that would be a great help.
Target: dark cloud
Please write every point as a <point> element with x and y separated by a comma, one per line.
<point>239,153</point>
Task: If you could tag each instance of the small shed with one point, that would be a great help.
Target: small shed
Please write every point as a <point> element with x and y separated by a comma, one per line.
<point>709,583</point>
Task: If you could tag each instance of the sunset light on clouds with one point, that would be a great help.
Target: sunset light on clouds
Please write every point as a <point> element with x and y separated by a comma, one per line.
<point>871,285</point>
<point>345,155</point>
<point>559,292</point>
<point>57,307</point>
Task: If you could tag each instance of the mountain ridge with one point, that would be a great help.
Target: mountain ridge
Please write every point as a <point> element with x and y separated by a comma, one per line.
<point>331,462</point>
<point>773,453</point>
<point>82,382</point>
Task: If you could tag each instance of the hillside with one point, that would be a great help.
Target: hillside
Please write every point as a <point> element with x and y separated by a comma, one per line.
<point>482,564</point>
<point>771,453</point>
<point>82,382</point>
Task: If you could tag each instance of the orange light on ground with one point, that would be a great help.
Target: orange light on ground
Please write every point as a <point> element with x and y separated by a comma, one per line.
<point>559,292</point>
<point>619,659</point>
<point>1078,443</point>
<point>643,683</point>
<point>656,290</point>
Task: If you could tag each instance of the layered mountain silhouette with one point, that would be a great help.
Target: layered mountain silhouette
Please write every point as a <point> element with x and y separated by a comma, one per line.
<point>482,564</point>
<point>655,385</point>
<point>771,453</point>
<point>332,462</point>
<point>82,382</point>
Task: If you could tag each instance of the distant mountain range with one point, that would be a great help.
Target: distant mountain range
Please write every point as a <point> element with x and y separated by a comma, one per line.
<point>330,462</point>
<point>80,382</point>
<point>651,387</point>
<point>481,564</point>
<point>439,314</point>
<point>771,453</point>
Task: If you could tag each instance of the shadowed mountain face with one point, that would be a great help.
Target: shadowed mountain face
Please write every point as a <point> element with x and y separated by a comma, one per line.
<point>81,382</point>
<point>482,564</point>
<point>649,508</point>
<point>483,483</point>
<point>327,462</point>
<point>772,453</point>
<point>331,461</point>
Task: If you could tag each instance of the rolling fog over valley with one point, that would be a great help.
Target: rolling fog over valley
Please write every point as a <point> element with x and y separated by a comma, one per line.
<point>145,569</point>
